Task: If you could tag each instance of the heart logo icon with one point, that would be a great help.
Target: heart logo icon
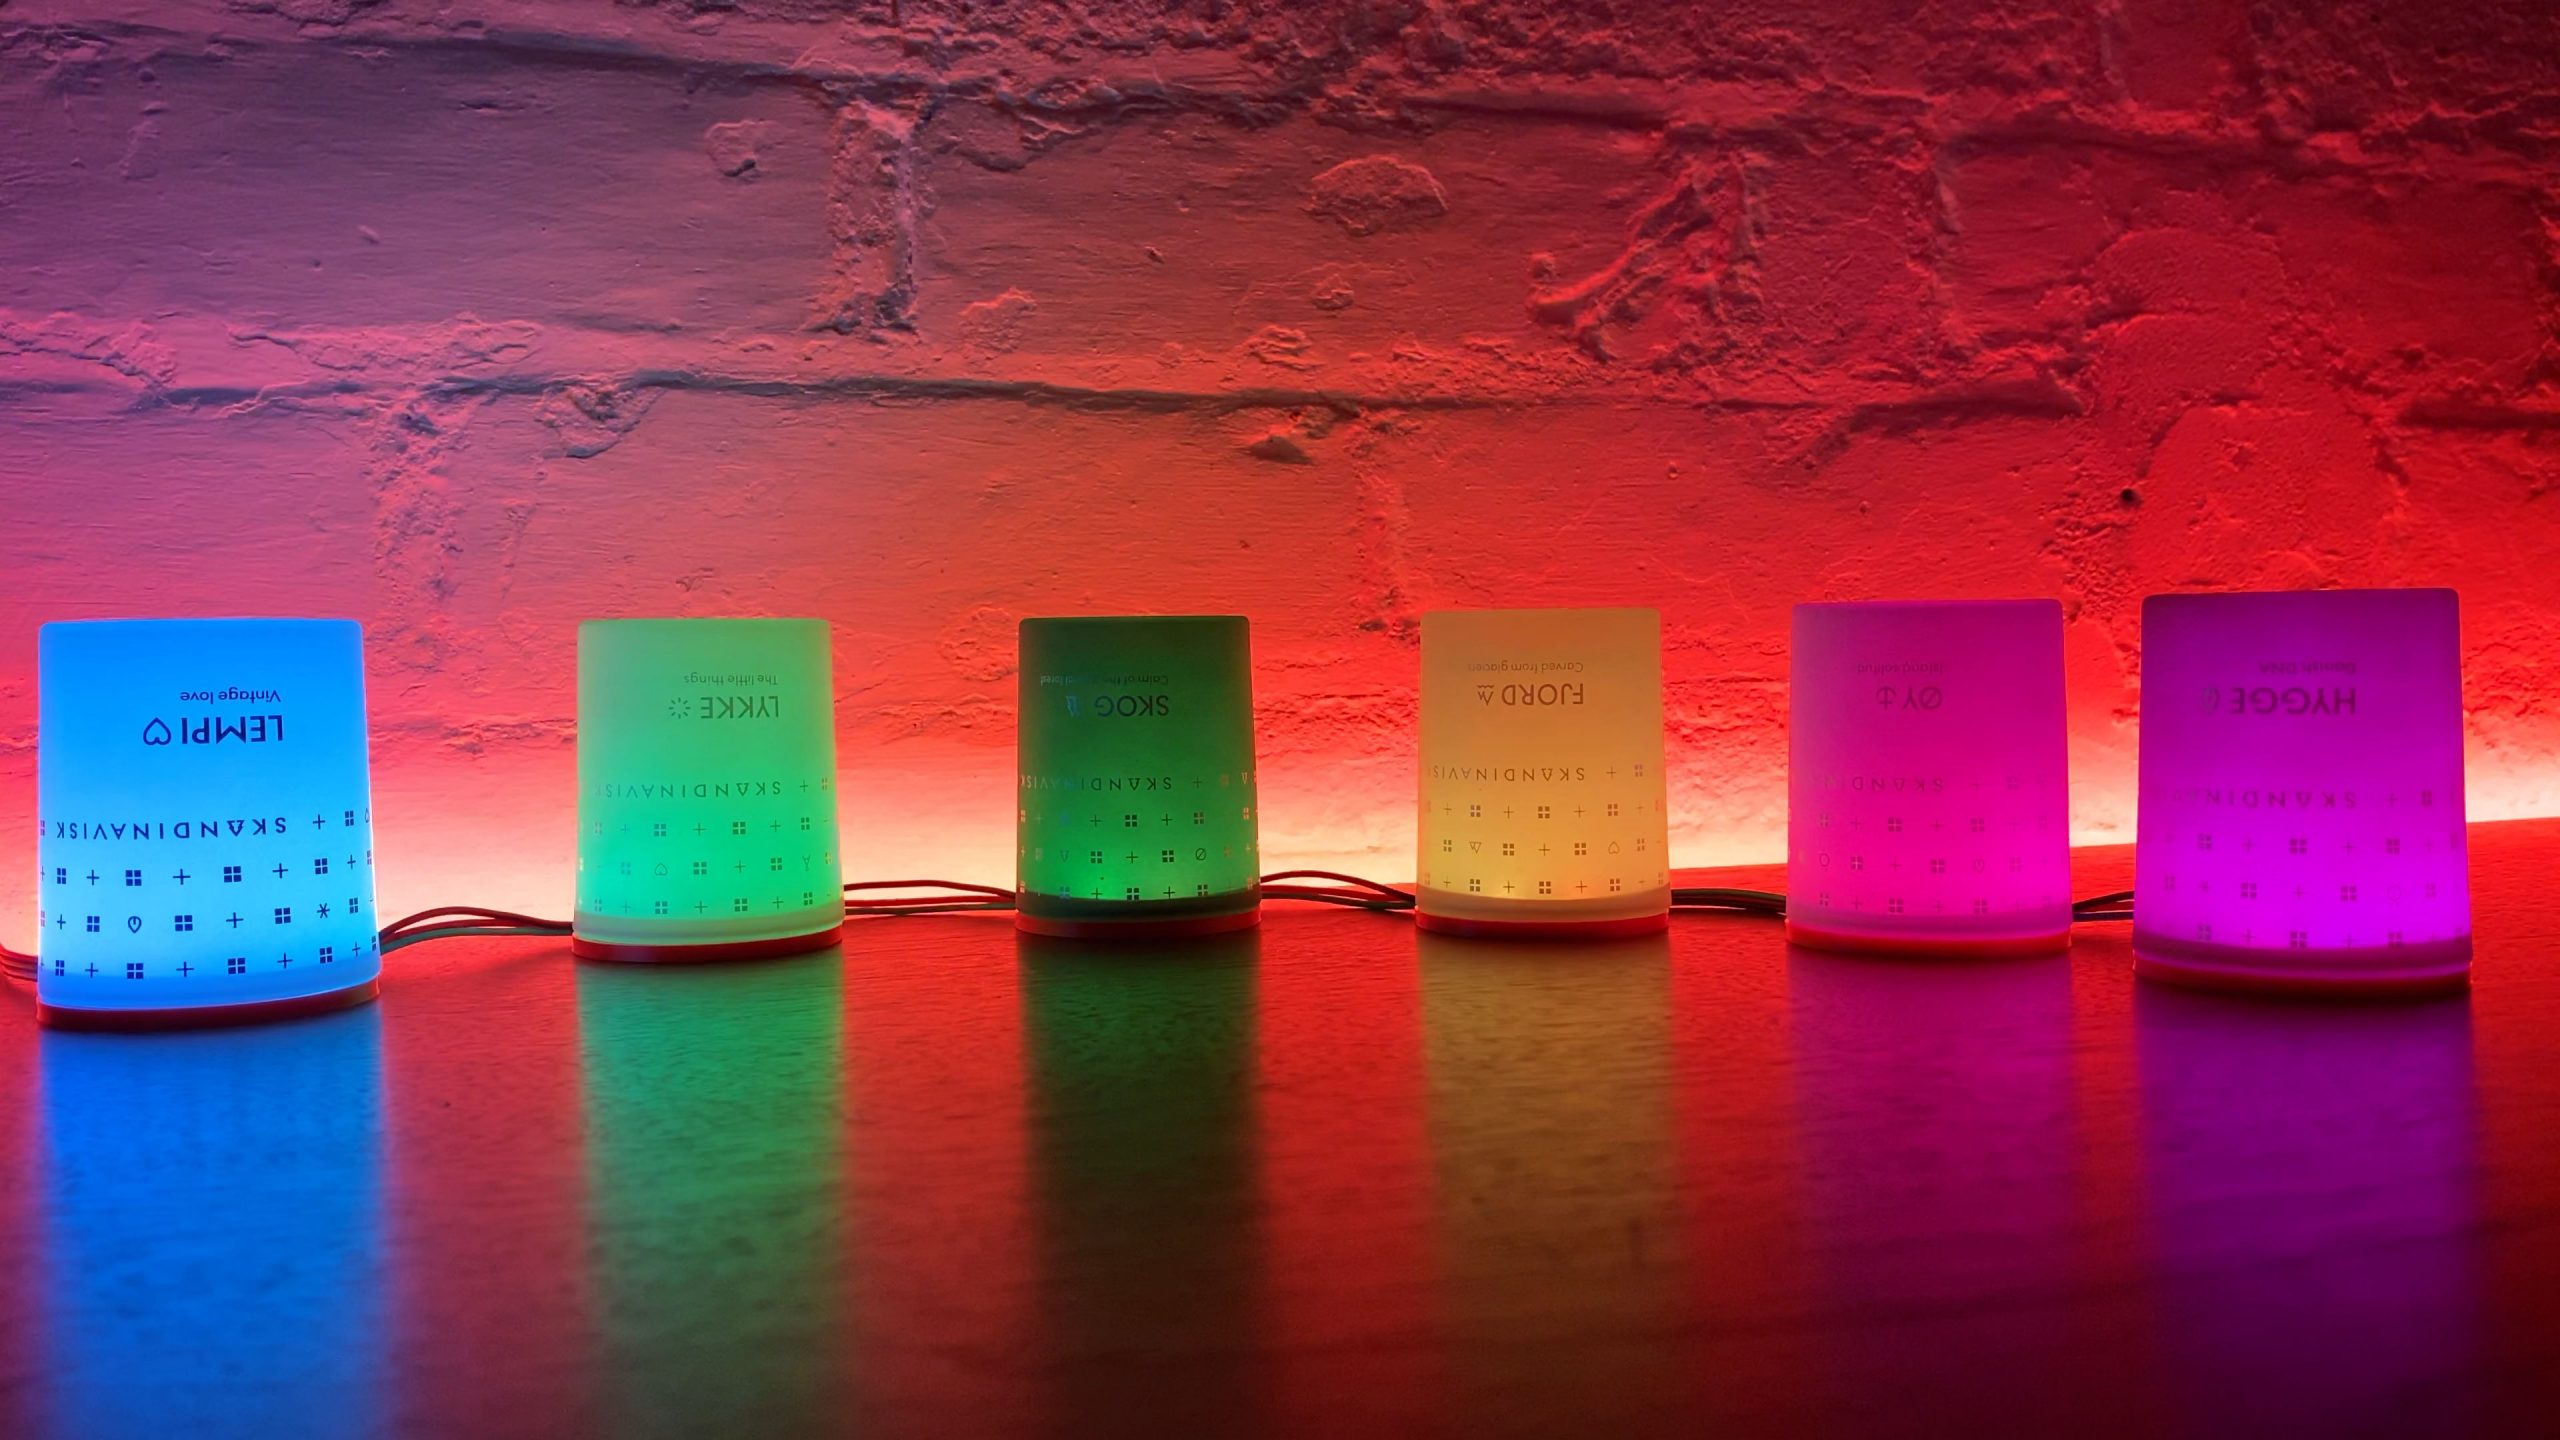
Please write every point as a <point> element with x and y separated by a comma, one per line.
<point>133,923</point>
<point>660,872</point>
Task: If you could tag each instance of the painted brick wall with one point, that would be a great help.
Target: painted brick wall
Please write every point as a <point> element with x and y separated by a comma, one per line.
<point>476,317</point>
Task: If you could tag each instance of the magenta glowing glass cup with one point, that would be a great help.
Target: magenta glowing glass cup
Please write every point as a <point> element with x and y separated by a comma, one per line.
<point>2301,809</point>
<point>1928,785</point>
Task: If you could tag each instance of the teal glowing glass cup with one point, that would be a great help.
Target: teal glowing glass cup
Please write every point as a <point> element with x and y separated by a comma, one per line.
<point>1135,802</point>
<point>205,812</point>
<point>706,790</point>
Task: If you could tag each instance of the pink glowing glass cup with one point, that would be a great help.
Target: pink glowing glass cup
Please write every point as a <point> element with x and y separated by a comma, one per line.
<point>1928,784</point>
<point>2301,810</point>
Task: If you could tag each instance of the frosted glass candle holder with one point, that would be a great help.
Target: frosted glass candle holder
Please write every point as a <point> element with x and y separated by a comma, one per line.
<point>706,790</point>
<point>205,814</point>
<point>1542,809</point>
<point>1135,806</point>
<point>2300,823</point>
<point>1928,793</point>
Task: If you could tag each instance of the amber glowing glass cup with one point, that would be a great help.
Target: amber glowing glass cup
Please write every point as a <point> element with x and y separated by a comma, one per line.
<point>1543,803</point>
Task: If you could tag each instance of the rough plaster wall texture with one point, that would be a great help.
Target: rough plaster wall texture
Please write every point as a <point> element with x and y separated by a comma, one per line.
<point>474,318</point>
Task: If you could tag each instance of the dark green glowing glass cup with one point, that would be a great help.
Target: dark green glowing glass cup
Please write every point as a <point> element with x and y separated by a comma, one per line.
<point>1136,799</point>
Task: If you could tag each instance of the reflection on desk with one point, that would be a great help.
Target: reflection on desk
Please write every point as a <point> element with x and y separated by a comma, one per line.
<point>1331,1177</point>
<point>213,1224</point>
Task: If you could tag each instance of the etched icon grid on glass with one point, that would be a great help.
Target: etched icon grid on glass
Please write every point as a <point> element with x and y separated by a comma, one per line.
<point>2301,805</point>
<point>706,782</point>
<point>204,813</point>
<point>1542,793</point>
<point>1927,775</point>
<point>1136,781</point>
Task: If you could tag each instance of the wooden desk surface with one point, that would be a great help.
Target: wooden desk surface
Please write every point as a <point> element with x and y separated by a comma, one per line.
<point>1306,1181</point>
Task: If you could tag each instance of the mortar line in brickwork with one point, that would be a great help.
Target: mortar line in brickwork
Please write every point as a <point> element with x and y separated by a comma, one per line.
<point>235,399</point>
<point>856,388</point>
<point>792,67</point>
<point>790,62</point>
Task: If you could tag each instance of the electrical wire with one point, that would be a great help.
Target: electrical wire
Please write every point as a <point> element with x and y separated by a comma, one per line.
<point>924,906</point>
<point>454,922</point>
<point>457,932</point>
<point>986,897</point>
<point>1768,903</point>
<point>993,892</point>
<point>1350,891</point>
<point>1346,899</point>
<point>474,913</point>
<point>2114,905</point>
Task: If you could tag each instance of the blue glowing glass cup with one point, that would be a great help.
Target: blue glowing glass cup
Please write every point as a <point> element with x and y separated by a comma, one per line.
<point>203,798</point>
